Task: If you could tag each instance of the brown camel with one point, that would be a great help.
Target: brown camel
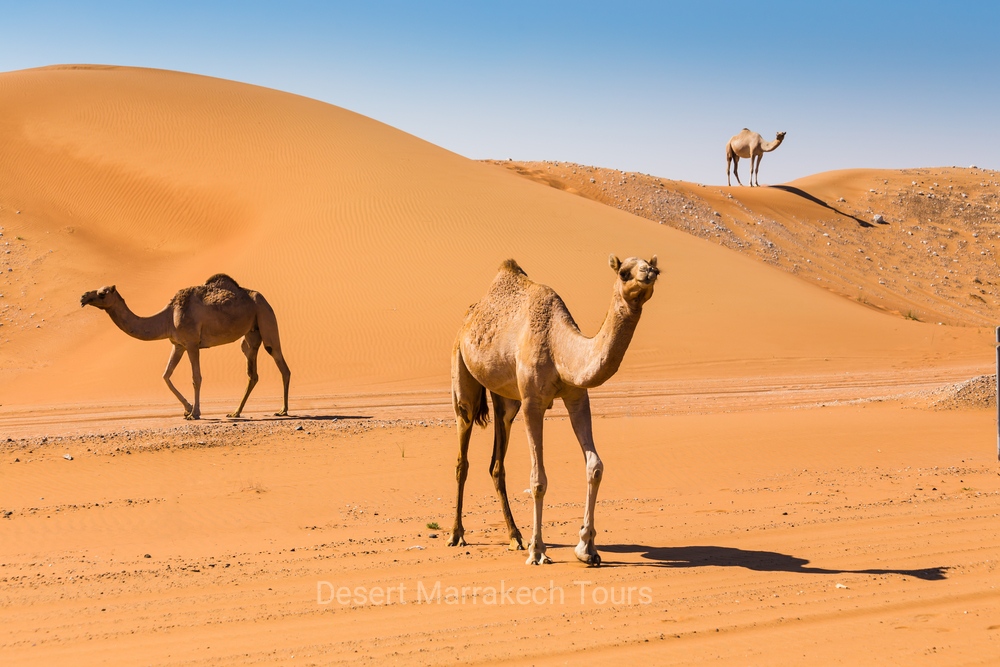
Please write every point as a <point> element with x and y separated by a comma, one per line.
<point>752,145</point>
<point>216,313</point>
<point>520,343</point>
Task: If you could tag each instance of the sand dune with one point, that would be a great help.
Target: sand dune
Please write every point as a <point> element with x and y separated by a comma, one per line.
<point>781,479</point>
<point>932,257</point>
<point>369,243</point>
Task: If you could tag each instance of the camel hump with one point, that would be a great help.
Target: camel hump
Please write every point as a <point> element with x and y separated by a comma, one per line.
<point>221,279</point>
<point>512,266</point>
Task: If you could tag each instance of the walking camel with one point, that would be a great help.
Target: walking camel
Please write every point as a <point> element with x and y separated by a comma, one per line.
<point>752,145</point>
<point>520,343</point>
<point>216,313</point>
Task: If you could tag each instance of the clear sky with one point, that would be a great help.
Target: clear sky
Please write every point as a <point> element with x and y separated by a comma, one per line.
<point>656,87</point>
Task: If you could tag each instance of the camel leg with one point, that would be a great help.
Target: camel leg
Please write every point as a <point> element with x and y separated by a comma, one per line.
<point>736,169</point>
<point>729,162</point>
<point>467,396</point>
<point>534,416</point>
<point>755,171</point>
<point>175,357</point>
<point>194,356</point>
<point>578,406</point>
<point>250,346</point>
<point>504,410</point>
<point>267,325</point>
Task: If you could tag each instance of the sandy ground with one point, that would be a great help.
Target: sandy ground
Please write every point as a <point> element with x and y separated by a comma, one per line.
<point>794,475</point>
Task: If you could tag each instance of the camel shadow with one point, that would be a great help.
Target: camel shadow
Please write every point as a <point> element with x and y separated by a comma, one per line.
<point>288,418</point>
<point>760,561</point>
<point>817,200</point>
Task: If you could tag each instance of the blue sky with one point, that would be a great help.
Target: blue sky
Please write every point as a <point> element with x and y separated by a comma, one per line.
<point>656,87</point>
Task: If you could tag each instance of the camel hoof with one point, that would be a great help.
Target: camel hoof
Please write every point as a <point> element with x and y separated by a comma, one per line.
<point>538,559</point>
<point>192,417</point>
<point>283,413</point>
<point>515,544</point>
<point>457,540</point>
<point>233,415</point>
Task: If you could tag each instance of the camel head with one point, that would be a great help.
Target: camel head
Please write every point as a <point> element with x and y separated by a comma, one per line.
<point>102,298</point>
<point>781,136</point>
<point>636,278</point>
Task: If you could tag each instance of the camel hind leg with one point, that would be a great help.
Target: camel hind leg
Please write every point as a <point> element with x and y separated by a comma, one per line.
<point>469,400</point>
<point>250,346</point>
<point>505,410</point>
<point>736,169</point>
<point>267,325</point>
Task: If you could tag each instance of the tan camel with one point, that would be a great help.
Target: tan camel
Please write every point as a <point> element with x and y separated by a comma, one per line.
<point>216,313</point>
<point>752,145</point>
<point>520,343</point>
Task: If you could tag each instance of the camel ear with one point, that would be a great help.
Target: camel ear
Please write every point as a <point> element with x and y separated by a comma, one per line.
<point>112,289</point>
<point>615,263</point>
<point>652,262</point>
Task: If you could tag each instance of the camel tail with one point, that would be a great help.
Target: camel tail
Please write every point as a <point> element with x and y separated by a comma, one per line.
<point>482,415</point>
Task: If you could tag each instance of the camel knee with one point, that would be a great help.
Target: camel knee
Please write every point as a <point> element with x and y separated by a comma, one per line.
<point>462,469</point>
<point>538,488</point>
<point>595,470</point>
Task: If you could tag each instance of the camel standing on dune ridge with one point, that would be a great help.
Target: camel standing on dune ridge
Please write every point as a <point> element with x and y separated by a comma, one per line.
<point>216,313</point>
<point>520,343</point>
<point>752,145</point>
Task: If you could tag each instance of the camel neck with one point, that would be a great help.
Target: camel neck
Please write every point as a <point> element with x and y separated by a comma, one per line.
<point>590,362</point>
<point>769,146</point>
<point>155,327</point>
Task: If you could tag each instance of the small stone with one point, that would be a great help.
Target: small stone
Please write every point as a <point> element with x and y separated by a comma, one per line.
<point>433,536</point>
<point>878,219</point>
<point>299,428</point>
<point>147,556</point>
<point>68,457</point>
<point>841,199</point>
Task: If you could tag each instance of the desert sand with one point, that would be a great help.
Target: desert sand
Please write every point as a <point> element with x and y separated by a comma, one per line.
<point>797,470</point>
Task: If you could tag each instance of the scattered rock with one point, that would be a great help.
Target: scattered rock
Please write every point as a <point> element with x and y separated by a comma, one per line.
<point>878,219</point>
<point>299,428</point>
<point>841,199</point>
<point>147,556</point>
<point>68,457</point>
<point>433,536</point>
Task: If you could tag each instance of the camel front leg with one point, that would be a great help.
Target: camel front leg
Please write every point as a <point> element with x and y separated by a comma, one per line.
<point>175,357</point>
<point>578,406</point>
<point>251,344</point>
<point>755,170</point>
<point>736,170</point>
<point>194,356</point>
<point>504,410</point>
<point>534,417</point>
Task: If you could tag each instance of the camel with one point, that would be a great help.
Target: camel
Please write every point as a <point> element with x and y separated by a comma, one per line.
<point>520,343</point>
<point>216,313</point>
<point>752,145</point>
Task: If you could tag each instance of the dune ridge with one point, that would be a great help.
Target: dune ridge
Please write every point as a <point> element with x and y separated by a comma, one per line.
<point>370,244</point>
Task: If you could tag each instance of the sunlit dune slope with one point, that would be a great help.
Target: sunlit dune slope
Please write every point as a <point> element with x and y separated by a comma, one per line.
<point>931,255</point>
<point>369,243</point>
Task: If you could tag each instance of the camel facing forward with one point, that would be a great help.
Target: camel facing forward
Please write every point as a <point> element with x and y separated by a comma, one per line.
<point>752,145</point>
<point>520,343</point>
<point>216,313</point>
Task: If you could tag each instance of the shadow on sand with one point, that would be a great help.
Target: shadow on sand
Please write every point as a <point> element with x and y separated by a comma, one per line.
<point>817,200</point>
<point>761,561</point>
<point>288,418</point>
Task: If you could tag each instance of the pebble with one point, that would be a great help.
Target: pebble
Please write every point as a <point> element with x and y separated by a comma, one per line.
<point>878,219</point>
<point>68,457</point>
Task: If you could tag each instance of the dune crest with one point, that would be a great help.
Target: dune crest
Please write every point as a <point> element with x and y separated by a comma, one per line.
<point>370,244</point>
